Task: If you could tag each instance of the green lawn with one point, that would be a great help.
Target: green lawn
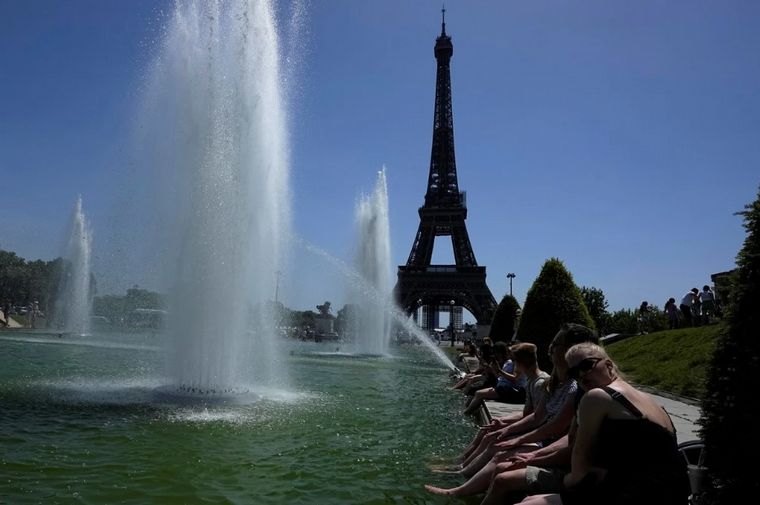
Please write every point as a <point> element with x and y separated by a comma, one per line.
<point>671,361</point>
<point>674,361</point>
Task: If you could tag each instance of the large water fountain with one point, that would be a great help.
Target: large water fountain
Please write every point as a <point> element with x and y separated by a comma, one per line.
<point>373,263</point>
<point>216,112</point>
<point>81,418</point>
<point>73,302</point>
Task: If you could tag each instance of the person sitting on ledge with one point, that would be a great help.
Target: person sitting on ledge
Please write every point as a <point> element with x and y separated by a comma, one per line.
<point>549,422</point>
<point>510,382</point>
<point>526,362</point>
<point>468,351</point>
<point>625,450</point>
<point>478,376</point>
<point>551,435</point>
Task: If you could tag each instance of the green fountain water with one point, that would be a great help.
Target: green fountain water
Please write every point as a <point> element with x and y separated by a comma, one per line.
<point>81,423</point>
<point>97,419</point>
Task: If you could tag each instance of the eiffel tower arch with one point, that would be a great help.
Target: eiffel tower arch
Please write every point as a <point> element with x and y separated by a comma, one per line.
<point>420,283</point>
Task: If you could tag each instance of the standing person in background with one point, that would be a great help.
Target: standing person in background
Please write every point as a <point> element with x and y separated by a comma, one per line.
<point>687,302</point>
<point>30,314</point>
<point>645,312</point>
<point>707,297</point>
<point>696,309</point>
<point>672,312</point>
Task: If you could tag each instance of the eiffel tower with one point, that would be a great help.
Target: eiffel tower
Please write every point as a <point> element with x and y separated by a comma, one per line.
<point>421,284</point>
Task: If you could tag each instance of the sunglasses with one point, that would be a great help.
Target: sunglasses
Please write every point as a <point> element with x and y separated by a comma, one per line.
<point>584,366</point>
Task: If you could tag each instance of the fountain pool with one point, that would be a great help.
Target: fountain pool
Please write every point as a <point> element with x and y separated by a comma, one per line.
<point>81,423</point>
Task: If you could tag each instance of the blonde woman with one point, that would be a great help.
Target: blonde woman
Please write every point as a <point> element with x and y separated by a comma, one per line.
<point>625,451</point>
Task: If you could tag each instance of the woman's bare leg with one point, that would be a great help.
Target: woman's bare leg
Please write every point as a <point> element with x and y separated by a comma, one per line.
<point>503,484</point>
<point>478,483</point>
<point>475,442</point>
<point>480,396</point>
<point>542,499</point>
<point>496,455</point>
<point>482,446</point>
<point>479,461</point>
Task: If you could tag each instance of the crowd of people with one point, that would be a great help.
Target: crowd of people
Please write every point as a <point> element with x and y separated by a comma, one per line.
<point>585,435</point>
<point>696,308</point>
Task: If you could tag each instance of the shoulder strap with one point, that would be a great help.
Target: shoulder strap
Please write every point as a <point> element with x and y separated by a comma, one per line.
<point>625,402</point>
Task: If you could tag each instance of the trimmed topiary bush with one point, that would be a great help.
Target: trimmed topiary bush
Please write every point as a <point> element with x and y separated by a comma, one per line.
<point>553,299</point>
<point>733,380</point>
<point>503,322</point>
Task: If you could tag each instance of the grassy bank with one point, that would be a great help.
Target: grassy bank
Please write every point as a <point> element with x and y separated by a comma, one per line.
<point>673,361</point>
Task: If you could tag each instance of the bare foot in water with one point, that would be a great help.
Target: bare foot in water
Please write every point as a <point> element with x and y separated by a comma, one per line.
<point>439,490</point>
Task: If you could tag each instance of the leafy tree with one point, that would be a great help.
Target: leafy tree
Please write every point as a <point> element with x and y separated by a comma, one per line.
<point>109,306</point>
<point>733,379</point>
<point>656,321</point>
<point>117,308</point>
<point>143,299</point>
<point>629,321</point>
<point>623,321</point>
<point>596,303</point>
<point>301,318</point>
<point>12,273</point>
<point>346,319</point>
<point>23,281</point>
<point>552,300</point>
<point>503,322</point>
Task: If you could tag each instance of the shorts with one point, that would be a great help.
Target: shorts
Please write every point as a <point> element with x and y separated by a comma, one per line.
<point>541,480</point>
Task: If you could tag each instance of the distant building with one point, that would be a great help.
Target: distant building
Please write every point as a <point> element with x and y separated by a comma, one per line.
<point>723,285</point>
<point>146,318</point>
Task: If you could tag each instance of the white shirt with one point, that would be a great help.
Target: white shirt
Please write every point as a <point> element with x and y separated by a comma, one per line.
<point>688,300</point>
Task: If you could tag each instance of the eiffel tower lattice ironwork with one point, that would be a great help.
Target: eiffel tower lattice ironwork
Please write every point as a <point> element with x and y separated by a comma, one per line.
<point>443,214</point>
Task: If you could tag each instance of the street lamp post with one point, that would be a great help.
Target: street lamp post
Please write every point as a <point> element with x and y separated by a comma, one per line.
<point>510,276</point>
<point>451,322</point>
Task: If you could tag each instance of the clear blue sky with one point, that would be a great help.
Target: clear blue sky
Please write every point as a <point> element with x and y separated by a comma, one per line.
<point>617,136</point>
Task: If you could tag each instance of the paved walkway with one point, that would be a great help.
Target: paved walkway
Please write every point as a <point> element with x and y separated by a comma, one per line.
<point>11,322</point>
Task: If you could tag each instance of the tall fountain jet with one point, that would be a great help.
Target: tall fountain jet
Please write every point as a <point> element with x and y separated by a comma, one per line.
<point>373,262</point>
<point>219,122</point>
<point>73,304</point>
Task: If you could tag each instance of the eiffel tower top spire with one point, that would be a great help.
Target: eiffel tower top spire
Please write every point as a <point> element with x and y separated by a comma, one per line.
<point>443,187</point>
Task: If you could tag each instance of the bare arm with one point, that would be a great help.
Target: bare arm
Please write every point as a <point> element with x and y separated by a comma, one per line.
<point>557,426</point>
<point>557,454</point>
<point>499,372</point>
<point>591,413</point>
<point>525,424</point>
